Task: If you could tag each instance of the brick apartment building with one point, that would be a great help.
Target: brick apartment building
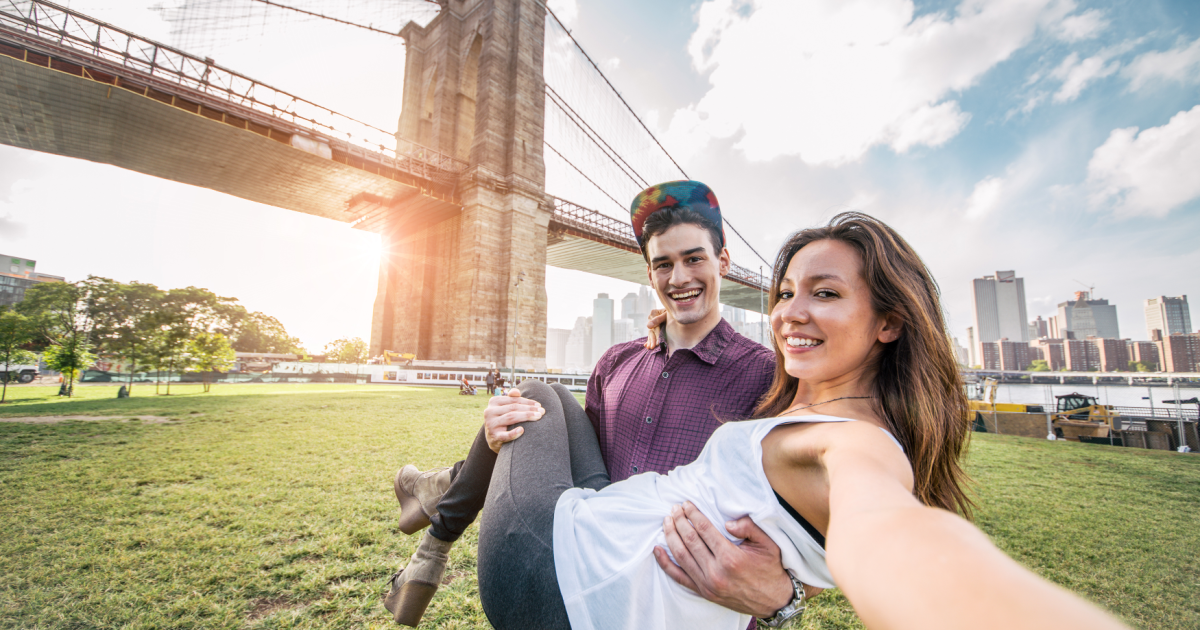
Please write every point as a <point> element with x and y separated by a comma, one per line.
<point>1113,354</point>
<point>1179,353</point>
<point>1081,355</point>
<point>1145,352</point>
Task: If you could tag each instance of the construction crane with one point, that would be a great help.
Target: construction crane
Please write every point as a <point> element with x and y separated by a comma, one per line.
<point>1091,289</point>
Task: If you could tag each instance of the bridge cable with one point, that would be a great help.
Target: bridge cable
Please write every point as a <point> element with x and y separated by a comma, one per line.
<point>598,71</point>
<point>637,118</point>
<point>331,18</point>
<point>564,158</point>
<point>614,89</point>
<point>598,140</point>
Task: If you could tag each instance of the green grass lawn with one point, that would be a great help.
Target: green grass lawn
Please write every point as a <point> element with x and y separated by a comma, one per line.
<point>270,506</point>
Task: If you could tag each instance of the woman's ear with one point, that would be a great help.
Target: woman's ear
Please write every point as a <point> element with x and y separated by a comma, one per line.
<point>893,326</point>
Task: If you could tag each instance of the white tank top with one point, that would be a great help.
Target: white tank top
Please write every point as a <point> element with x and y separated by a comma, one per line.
<point>603,540</point>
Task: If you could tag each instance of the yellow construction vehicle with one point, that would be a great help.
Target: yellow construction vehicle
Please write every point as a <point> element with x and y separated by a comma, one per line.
<point>390,357</point>
<point>981,399</point>
<point>1080,415</point>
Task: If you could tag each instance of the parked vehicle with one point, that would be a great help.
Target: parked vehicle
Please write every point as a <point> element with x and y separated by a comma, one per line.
<point>21,373</point>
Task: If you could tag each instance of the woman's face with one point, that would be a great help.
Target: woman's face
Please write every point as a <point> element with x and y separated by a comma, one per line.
<point>823,321</point>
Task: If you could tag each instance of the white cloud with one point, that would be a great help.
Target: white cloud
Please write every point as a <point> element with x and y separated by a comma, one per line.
<point>612,65</point>
<point>1076,75</point>
<point>1181,64</point>
<point>827,80</point>
<point>985,198</point>
<point>1148,173</point>
<point>1086,25</point>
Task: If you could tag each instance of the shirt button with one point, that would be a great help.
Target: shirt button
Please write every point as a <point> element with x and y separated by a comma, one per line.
<point>649,420</point>
<point>634,468</point>
<point>665,375</point>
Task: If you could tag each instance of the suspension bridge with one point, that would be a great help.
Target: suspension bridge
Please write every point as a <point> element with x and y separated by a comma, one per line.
<point>458,192</point>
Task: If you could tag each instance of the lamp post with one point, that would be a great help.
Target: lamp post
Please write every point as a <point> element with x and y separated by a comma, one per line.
<point>512,363</point>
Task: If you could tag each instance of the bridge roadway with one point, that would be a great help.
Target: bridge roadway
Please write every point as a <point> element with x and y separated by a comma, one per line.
<point>77,87</point>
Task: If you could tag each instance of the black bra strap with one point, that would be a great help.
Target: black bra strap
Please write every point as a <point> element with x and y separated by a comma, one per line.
<point>812,531</point>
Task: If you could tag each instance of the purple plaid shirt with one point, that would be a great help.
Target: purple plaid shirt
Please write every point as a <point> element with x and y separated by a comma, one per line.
<point>654,413</point>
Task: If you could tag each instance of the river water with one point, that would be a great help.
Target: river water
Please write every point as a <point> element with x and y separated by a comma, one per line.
<point>1120,395</point>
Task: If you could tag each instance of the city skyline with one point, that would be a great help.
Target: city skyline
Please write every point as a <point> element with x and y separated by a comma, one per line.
<point>1063,146</point>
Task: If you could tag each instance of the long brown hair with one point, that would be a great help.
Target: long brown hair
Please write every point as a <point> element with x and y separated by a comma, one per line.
<point>917,387</point>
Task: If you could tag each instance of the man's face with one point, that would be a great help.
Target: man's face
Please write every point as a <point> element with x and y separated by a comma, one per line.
<point>686,273</point>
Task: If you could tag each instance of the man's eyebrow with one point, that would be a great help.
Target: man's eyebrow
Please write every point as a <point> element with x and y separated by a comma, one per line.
<point>689,252</point>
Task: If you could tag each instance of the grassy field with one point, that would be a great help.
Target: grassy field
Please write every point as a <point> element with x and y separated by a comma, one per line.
<point>270,506</point>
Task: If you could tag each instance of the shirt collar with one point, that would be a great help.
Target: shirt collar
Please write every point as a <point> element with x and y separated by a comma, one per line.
<point>710,348</point>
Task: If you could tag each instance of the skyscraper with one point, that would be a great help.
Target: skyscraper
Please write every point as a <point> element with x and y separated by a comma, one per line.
<point>579,345</point>
<point>602,326</point>
<point>1168,314</point>
<point>1038,328</point>
<point>556,347</point>
<point>1088,318</point>
<point>1000,308</point>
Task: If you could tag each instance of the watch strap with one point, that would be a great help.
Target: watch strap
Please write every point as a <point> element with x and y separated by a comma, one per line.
<point>792,610</point>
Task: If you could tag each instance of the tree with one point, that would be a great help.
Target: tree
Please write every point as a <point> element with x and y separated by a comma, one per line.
<point>1038,365</point>
<point>261,333</point>
<point>70,357</point>
<point>211,352</point>
<point>1143,366</point>
<point>15,331</point>
<point>61,318</point>
<point>127,329</point>
<point>346,350</point>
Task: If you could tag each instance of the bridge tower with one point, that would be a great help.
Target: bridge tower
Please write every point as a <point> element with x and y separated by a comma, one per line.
<point>473,88</point>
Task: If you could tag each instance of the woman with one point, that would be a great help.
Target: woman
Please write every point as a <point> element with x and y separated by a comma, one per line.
<point>858,444</point>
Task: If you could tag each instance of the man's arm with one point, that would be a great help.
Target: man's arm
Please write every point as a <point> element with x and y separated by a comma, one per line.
<point>748,578</point>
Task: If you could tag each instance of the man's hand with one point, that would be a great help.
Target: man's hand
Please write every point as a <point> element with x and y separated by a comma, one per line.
<point>504,411</point>
<point>748,578</point>
<point>654,323</point>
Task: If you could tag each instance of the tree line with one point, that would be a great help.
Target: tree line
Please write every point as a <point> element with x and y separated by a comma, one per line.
<point>145,327</point>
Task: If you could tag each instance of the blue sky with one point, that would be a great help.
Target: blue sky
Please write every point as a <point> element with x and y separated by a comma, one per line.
<point>1059,139</point>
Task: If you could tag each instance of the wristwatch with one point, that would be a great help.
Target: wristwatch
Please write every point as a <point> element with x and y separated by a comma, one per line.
<point>793,610</point>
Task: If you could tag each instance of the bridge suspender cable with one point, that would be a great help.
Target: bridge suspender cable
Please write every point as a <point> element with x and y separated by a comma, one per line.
<point>638,118</point>
<point>574,117</point>
<point>598,187</point>
<point>614,89</point>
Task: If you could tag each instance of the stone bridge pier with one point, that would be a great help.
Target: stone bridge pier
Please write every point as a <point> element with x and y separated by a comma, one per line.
<point>473,88</point>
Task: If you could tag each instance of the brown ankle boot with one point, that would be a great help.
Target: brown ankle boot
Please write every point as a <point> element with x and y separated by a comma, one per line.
<point>419,493</point>
<point>413,587</point>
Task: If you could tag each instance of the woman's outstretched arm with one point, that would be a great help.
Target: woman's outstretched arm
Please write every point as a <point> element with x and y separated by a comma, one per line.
<point>904,565</point>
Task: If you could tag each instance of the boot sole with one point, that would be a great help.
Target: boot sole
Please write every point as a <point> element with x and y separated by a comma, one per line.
<point>412,516</point>
<point>414,598</point>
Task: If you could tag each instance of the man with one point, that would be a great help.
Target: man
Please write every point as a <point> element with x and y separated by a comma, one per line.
<point>653,409</point>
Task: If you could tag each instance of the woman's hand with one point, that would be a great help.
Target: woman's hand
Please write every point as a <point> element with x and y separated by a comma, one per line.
<point>655,322</point>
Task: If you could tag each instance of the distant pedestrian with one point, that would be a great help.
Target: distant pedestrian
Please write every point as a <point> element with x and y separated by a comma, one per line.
<point>491,383</point>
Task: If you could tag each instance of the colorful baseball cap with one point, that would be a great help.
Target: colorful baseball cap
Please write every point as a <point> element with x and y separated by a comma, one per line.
<point>694,196</point>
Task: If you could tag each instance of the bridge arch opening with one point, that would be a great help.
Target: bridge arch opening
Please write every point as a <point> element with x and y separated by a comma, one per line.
<point>467,91</point>
<point>425,126</point>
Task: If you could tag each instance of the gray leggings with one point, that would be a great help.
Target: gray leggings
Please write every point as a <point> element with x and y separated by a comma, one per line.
<point>517,583</point>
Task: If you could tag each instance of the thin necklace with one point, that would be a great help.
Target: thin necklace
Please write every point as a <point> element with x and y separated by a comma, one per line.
<point>823,402</point>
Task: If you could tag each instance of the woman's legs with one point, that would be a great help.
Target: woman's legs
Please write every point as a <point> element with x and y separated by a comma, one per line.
<point>465,497</point>
<point>517,584</point>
